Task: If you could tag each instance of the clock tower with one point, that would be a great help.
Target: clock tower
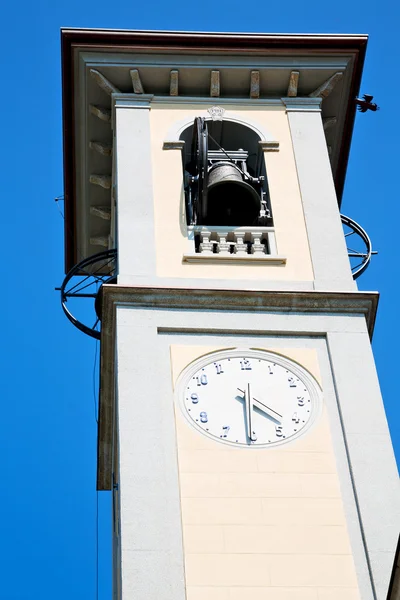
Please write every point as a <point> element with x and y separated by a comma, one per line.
<point>241,426</point>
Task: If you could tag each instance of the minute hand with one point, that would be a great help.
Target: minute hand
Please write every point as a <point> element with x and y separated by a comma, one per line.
<point>249,410</point>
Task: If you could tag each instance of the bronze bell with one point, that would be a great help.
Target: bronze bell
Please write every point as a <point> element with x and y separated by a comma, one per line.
<point>230,200</point>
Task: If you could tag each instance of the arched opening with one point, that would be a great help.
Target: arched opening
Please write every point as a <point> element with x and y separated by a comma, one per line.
<point>225,177</point>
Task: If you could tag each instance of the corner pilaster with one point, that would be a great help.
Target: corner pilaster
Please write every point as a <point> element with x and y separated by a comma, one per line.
<point>327,244</point>
<point>135,226</point>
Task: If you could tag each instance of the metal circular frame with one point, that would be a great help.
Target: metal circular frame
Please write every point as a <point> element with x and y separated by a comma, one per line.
<point>365,256</point>
<point>91,274</point>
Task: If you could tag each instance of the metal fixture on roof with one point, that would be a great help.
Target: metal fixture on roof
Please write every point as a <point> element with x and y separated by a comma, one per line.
<point>80,291</point>
<point>359,247</point>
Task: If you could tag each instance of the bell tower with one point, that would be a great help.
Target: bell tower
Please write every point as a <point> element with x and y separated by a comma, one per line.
<point>241,426</point>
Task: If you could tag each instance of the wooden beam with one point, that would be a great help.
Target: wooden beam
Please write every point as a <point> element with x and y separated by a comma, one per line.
<point>101,113</point>
<point>293,84</point>
<point>104,212</point>
<point>173,83</point>
<point>214,84</point>
<point>136,82</point>
<point>104,149</point>
<point>255,84</point>
<point>101,240</point>
<point>329,122</point>
<point>103,181</point>
<point>103,82</point>
<point>325,89</point>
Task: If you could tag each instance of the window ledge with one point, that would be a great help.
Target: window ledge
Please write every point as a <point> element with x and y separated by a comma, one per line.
<point>233,259</point>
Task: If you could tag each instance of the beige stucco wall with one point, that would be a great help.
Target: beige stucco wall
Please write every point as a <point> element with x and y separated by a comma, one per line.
<point>170,225</point>
<point>265,523</point>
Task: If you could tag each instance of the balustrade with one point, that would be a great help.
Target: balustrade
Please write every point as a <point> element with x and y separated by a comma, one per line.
<point>239,241</point>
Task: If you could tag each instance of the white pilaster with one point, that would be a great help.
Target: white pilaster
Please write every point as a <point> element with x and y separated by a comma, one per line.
<point>372,463</point>
<point>325,235</point>
<point>151,532</point>
<point>135,227</point>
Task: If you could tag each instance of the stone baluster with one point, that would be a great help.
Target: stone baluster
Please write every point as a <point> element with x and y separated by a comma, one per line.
<point>241,247</point>
<point>258,247</point>
<point>206,246</point>
<point>223,245</point>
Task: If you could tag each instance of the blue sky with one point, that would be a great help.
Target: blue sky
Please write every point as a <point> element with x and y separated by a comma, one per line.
<point>48,438</point>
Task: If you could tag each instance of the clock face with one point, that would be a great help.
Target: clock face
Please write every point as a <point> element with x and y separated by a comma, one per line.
<point>249,398</point>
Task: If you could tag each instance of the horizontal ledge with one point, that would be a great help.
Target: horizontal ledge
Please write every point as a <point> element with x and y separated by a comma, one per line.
<point>207,100</point>
<point>235,259</point>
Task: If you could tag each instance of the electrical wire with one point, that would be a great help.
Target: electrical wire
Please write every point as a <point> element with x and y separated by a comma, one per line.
<point>95,391</point>
<point>95,401</point>
<point>57,200</point>
<point>97,547</point>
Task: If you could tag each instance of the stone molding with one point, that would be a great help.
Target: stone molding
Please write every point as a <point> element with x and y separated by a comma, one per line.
<point>233,259</point>
<point>173,136</point>
<point>297,104</point>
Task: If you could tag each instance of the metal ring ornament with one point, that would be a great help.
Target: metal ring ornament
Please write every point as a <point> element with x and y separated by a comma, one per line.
<point>89,286</point>
<point>365,255</point>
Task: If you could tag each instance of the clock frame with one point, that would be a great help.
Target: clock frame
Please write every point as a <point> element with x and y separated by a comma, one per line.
<point>299,401</point>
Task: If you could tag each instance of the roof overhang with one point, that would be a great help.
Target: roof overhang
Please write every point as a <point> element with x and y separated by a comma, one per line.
<point>114,54</point>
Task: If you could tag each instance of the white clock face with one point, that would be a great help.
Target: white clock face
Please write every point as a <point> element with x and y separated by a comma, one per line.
<point>249,398</point>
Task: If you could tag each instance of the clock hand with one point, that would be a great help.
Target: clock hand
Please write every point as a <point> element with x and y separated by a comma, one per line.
<point>248,400</point>
<point>266,409</point>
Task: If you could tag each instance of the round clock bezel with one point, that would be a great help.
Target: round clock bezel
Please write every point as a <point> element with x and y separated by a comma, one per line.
<point>299,371</point>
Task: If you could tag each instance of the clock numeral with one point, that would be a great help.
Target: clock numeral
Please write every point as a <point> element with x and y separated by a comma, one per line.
<point>245,364</point>
<point>300,400</point>
<point>194,398</point>
<point>278,431</point>
<point>270,371</point>
<point>218,366</point>
<point>295,418</point>
<point>292,382</point>
<point>225,431</point>
<point>203,417</point>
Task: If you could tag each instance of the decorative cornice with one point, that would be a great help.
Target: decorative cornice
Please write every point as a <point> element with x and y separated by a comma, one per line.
<point>259,300</point>
<point>307,104</point>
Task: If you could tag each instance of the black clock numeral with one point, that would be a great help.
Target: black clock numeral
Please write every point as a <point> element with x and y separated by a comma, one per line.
<point>295,418</point>
<point>218,366</point>
<point>225,431</point>
<point>245,364</point>
<point>292,382</point>
<point>279,431</point>
<point>300,400</point>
